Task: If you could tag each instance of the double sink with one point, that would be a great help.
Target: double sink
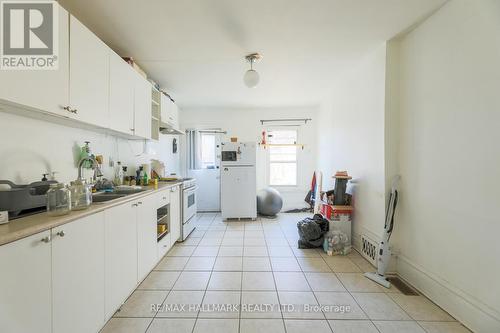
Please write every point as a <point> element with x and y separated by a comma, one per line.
<point>101,197</point>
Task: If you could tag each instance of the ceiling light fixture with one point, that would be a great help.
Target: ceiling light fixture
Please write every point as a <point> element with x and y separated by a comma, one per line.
<point>251,77</point>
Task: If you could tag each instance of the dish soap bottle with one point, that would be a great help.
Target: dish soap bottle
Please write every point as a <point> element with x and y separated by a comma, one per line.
<point>85,152</point>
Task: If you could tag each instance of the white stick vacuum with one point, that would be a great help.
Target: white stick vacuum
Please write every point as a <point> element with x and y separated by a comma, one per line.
<point>384,254</point>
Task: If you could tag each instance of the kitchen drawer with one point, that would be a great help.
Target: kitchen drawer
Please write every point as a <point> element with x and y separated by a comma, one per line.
<point>163,246</point>
<point>163,198</point>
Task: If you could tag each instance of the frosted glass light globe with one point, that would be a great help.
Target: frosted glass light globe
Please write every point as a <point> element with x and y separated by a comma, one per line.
<point>251,78</point>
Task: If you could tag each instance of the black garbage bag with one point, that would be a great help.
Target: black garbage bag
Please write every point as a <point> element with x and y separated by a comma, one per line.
<point>311,231</point>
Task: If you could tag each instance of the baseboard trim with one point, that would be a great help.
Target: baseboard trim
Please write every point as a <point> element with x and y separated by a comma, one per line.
<point>476,316</point>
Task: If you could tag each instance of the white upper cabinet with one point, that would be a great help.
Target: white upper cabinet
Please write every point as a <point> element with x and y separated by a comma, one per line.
<point>78,275</point>
<point>25,285</point>
<point>164,107</point>
<point>92,85</point>
<point>121,94</point>
<point>89,76</point>
<point>175,115</point>
<point>142,106</point>
<point>169,112</point>
<point>45,90</point>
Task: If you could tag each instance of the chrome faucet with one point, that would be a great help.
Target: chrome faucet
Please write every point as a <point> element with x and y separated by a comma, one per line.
<point>95,167</point>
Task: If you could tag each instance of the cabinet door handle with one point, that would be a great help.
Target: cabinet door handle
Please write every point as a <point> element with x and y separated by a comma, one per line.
<point>69,109</point>
<point>164,198</point>
<point>45,239</point>
<point>61,233</point>
<point>139,203</point>
<point>132,129</point>
<point>135,205</point>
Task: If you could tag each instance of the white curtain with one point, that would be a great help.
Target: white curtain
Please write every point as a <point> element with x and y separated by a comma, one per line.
<point>193,143</point>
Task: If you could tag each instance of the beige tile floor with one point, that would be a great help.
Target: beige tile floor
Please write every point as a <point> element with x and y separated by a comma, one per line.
<point>241,265</point>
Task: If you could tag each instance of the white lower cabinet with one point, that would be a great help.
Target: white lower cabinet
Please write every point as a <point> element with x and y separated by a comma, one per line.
<point>78,275</point>
<point>25,285</point>
<point>146,236</point>
<point>163,198</point>
<point>164,245</point>
<point>120,255</point>
<point>175,214</point>
<point>74,277</point>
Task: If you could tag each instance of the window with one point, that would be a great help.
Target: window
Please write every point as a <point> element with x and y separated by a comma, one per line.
<point>282,159</point>
<point>207,151</point>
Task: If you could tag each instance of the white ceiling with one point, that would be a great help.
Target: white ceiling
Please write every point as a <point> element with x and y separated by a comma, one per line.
<point>195,48</point>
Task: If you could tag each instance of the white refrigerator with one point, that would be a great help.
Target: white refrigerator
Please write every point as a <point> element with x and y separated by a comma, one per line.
<point>238,180</point>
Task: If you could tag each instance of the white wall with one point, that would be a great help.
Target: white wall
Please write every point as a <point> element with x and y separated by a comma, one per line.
<point>391,121</point>
<point>449,156</point>
<point>351,137</point>
<point>245,124</point>
<point>30,147</point>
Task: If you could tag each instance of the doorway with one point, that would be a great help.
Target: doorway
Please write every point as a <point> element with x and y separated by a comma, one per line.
<point>207,173</point>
